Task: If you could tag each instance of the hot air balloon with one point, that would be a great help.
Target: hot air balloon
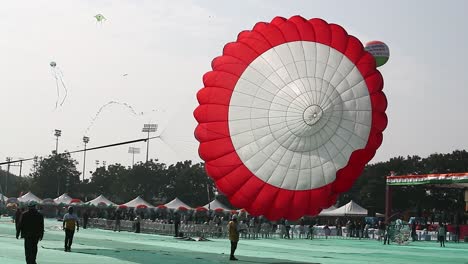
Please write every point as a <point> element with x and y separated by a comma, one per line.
<point>379,50</point>
<point>289,116</point>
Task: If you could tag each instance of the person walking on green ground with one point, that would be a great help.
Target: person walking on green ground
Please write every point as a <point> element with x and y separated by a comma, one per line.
<point>233,236</point>
<point>70,222</point>
<point>31,228</point>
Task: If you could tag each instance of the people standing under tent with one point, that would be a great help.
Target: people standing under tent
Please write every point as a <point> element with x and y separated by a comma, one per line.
<point>176,224</point>
<point>117,221</point>
<point>31,228</point>
<point>137,224</point>
<point>301,227</point>
<point>387,235</point>
<point>414,236</point>
<point>327,231</point>
<point>457,232</point>
<point>338,227</point>
<point>348,228</point>
<point>366,230</point>
<point>358,229</point>
<point>381,231</point>
<point>287,228</point>
<point>70,223</point>
<point>233,236</point>
<point>441,232</point>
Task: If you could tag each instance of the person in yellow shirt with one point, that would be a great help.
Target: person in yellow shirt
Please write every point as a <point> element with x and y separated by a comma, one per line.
<point>233,236</point>
<point>70,222</point>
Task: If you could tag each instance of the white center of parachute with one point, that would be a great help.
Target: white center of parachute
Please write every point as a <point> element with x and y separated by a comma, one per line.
<point>297,113</point>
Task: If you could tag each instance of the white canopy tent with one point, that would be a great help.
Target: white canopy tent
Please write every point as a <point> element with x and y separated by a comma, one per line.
<point>64,199</point>
<point>48,201</point>
<point>137,201</point>
<point>176,203</point>
<point>349,209</point>
<point>215,204</point>
<point>99,200</point>
<point>329,209</point>
<point>28,198</point>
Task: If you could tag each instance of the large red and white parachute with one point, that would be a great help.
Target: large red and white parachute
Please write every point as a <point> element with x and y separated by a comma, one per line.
<point>289,116</point>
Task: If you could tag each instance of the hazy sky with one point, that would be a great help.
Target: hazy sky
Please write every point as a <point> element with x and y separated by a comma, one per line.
<point>164,47</point>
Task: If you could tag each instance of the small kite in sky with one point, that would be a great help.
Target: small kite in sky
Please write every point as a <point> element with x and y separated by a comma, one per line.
<point>100,18</point>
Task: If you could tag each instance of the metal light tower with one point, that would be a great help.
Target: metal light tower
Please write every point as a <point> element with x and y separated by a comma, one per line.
<point>133,151</point>
<point>58,133</point>
<point>85,141</point>
<point>148,128</point>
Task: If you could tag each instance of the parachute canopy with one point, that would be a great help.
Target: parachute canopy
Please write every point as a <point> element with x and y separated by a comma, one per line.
<point>289,116</point>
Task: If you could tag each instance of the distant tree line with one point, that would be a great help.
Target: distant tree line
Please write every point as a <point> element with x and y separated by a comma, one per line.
<point>159,183</point>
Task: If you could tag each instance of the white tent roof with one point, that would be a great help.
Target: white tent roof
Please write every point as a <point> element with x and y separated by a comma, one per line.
<point>29,197</point>
<point>64,198</point>
<point>216,204</point>
<point>2,197</point>
<point>349,209</point>
<point>324,211</point>
<point>176,203</point>
<point>137,201</point>
<point>48,201</point>
<point>100,199</point>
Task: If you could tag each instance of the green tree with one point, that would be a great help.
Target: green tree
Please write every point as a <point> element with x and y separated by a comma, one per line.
<point>55,175</point>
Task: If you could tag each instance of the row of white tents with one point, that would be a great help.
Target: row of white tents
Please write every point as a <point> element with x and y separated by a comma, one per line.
<point>101,200</point>
<point>349,209</point>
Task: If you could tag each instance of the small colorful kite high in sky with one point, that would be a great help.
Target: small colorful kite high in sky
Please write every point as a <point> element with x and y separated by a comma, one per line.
<point>100,18</point>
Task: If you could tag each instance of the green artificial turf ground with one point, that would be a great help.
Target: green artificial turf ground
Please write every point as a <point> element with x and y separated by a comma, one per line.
<point>102,247</point>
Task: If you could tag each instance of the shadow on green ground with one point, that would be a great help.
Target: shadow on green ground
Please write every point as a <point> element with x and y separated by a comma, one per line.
<point>161,256</point>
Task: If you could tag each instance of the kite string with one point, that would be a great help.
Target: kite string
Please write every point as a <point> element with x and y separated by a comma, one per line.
<point>54,73</point>
<point>101,109</point>
<point>60,75</point>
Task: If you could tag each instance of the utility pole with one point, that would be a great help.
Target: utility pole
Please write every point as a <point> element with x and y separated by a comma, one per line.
<point>85,141</point>
<point>148,128</point>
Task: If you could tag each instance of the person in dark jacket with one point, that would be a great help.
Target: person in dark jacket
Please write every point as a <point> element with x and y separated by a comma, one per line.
<point>176,224</point>
<point>31,228</point>
<point>18,213</point>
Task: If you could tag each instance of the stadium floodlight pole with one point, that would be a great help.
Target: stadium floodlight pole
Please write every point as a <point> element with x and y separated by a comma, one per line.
<point>85,141</point>
<point>57,134</point>
<point>148,128</point>
<point>133,151</point>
